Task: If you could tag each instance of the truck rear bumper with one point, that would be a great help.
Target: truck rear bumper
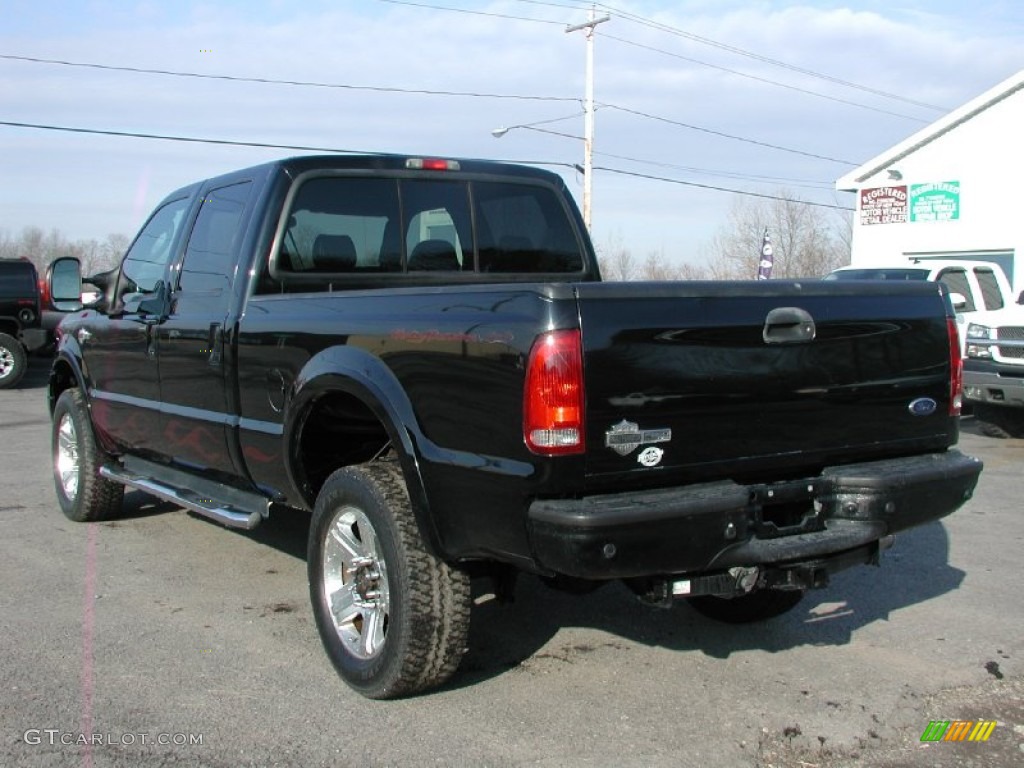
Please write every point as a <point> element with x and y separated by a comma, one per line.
<point>996,383</point>
<point>712,526</point>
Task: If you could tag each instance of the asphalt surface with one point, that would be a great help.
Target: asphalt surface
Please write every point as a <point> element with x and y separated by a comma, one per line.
<point>164,639</point>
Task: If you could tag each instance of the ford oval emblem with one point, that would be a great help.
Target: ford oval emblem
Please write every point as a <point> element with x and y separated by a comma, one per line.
<point>923,406</point>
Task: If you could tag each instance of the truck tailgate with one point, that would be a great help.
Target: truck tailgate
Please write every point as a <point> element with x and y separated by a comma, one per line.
<point>742,380</point>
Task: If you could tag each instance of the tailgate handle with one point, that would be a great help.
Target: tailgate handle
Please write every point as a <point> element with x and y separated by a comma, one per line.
<point>788,325</point>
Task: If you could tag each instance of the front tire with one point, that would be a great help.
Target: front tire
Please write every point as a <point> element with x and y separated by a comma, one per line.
<point>393,618</point>
<point>13,361</point>
<point>84,495</point>
<point>999,421</point>
<point>759,605</point>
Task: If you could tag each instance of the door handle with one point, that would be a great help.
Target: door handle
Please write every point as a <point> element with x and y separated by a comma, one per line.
<point>788,325</point>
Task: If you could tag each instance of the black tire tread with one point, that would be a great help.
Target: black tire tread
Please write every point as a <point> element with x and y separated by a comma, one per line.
<point>98,498</point>
<point>432,638</point>
<point>20,361</point>
<point>440,601</point>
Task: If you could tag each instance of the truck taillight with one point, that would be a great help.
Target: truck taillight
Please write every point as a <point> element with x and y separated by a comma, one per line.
<point>956,369</point>
<point>431,164</point>
<point>553,398</point>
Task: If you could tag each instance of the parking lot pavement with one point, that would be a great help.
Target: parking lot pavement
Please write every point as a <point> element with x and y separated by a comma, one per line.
<point>163,639</point>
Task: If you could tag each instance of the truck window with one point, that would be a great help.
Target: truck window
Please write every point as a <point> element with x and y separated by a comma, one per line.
<point>990,294</point>
<point>17,280</point>
<point>522,228</point>
<point>209,263</point>
<point>956,281</point>
<point>354,224</point>
<point>439,234</point>
<point>877,273</point>
<point>146,261</point>
<point>343,225</point>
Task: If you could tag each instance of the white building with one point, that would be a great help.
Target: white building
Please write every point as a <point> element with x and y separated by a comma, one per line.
<point>948,191</point>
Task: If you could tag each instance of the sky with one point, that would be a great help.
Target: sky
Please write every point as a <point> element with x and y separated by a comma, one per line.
<point>755,97</point>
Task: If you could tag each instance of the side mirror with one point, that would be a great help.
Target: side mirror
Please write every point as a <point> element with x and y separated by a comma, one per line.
<point>959,301</point>
<point>64,281</point>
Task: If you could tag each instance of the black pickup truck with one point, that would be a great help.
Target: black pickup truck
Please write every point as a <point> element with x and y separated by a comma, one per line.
<point>20,311</point>
<point>420,353</point>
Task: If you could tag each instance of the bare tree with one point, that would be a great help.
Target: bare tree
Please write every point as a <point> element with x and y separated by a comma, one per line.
<point>41,248</point>
<point>616,261</point>
<point>806,242</point>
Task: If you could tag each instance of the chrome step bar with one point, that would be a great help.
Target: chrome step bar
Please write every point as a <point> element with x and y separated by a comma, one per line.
<point>232,517</point>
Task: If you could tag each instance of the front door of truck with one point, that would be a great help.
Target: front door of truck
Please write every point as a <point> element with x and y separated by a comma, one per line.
<point>194,349</point>
<point>119,347</point>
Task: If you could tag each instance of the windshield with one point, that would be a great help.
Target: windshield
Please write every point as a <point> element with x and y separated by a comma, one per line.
<point>878,274</point>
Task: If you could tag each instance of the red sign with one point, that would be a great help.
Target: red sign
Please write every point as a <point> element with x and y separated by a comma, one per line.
<point>883,205</point>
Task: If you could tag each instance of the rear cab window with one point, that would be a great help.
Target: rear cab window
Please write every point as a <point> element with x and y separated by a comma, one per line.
<point>17,280</point>
<point>349,226</point>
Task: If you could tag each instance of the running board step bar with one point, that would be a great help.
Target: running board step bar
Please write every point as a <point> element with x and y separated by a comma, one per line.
<point>228,506</point>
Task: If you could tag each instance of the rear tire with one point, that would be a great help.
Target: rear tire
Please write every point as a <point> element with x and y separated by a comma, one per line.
<point>759,605</point>
<point>84,495</point>
<point>393,618</point>
<point>13,361</point>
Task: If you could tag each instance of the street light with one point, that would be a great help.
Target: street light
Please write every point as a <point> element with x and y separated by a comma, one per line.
<point>502,130</point>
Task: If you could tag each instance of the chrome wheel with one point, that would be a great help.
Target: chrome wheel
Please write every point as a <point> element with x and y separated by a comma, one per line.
<point>355,580</point>
<point>67,456</point>
<point>6,362</point>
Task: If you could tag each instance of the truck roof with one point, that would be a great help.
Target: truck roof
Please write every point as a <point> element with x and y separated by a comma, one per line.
<point>296,165</point>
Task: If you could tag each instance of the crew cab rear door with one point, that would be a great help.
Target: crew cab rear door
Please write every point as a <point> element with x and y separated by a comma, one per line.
<point>195,356</point>
<point>739,379</point>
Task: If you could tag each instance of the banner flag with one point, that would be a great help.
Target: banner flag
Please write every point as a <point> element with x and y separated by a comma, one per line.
<point>764,267</point>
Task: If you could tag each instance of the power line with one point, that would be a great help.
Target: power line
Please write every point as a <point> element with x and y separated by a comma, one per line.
<point>804,183</point>
<point>432,7</point>
<point>759,79</point>
<point>663,164</point>
<point>417,91</point>
<point>722,134</point>
<point>719,189</point>
<point>643,21</point>
<point>300,83</point>
<point>134,135</point>
<point>305,148</point>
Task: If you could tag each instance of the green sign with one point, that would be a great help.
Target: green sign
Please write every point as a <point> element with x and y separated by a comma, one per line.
<point>939,201</point>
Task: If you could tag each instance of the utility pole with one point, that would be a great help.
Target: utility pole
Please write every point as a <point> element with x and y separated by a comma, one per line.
<point>588,110</point>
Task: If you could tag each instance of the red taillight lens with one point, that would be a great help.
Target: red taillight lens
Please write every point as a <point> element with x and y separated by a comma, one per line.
<point>956,369</point>
<point>553,399</point>
<point>44,293</point>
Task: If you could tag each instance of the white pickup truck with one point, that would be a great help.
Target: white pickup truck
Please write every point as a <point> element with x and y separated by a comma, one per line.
<point>977,288</point>
<point>990,320</point>
<point>994,370</point>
